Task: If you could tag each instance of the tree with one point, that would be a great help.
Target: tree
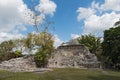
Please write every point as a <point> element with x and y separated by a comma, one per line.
<point>42,41</point>
<point>45,42</point>
<point>93,43</point>
<point>19,45</point>
<point>111,47</point>
<point>7,52</point>
<point>117,23</point>
<point>6,46</point>
<point>30,41</point>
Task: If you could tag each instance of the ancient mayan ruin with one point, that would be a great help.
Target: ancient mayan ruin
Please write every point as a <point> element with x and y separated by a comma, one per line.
<point>68,55</point>
<point>73,55</point>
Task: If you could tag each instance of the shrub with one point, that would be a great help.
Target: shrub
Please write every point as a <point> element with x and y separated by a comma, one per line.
<point>8,56</point>
<point>18,53</point>
<point>41,58</point>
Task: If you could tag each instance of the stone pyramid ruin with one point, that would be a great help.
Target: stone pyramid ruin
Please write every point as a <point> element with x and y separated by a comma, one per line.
<point>72,54</point>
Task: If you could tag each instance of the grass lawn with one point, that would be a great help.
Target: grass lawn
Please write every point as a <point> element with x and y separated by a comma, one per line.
<point>62,74</point>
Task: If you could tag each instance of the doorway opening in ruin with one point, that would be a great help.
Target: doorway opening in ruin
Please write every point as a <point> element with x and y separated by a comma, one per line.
<point>55,63</point>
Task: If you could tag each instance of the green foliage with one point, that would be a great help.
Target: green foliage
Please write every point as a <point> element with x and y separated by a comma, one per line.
<point>18,53</point>
<point>8,56</point>
<point>111,47</point>
<point>117,23</point>
<point>6,46</point>
<point>19,44</point>
<point>93,43</point>
<point>45,41</point>
<point>6,52</point>
<point>41,59</point>
<point>29,40</point>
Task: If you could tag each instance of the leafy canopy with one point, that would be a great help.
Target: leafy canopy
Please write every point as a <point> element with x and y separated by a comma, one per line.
<point>92,42</point>
<point>111,47</point>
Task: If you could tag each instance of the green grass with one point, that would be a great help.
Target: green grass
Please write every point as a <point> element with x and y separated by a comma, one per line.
<point>62,74</point>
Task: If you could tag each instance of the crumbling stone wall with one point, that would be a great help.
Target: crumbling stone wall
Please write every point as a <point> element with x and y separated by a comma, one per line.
<point>22,64</point>
<point>75,56</point>
<point>25,63</point>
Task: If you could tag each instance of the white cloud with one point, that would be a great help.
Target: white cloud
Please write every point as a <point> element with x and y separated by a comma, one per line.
<point>11,21</point>
<point>97,18</point>
<point>15,13</point>
<point>29,16</point>
<point>46,7</point>
<point>111,5</point>
<point>8,36</point>
<point>10,15</point>
<point>57,40</point>
<point>95,24</point>
<point>84,13</point>
<point>74,36</point>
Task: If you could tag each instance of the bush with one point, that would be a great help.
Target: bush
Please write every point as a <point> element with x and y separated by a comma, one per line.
<point>41,59</point>
<point>8,56</point>
<point>18,53</point>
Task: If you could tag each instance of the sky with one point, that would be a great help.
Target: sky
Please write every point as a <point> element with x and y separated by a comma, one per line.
<point>72,18</point>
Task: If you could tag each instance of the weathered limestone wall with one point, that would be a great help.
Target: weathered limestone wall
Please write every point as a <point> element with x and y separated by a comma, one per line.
<point>76,56</point>
<point>19,64</point>
<point>22,64</point>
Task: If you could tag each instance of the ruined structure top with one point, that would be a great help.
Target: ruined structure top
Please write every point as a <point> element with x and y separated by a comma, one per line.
<point>75,46</point>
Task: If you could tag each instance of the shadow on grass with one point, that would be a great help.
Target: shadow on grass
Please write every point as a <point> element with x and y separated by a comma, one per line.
<point>104,77</point>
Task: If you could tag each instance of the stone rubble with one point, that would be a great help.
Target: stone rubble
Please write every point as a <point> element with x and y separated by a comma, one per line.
<point>22,64</point>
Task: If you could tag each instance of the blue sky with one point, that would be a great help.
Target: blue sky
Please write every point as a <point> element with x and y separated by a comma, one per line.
<point>65,17</point>
<point>71,18</point>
